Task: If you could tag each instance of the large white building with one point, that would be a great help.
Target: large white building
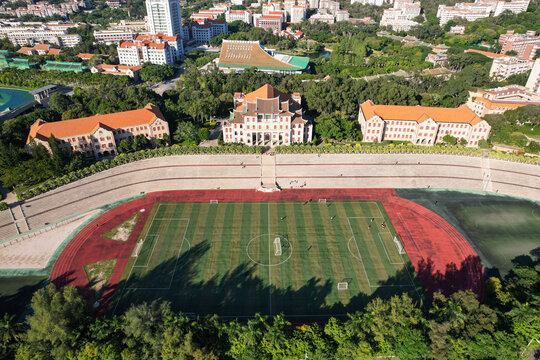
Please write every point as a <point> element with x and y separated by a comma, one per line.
<point>298,14</point>
<point>164,17</point>
<point>399,17</point>
<point>156,49</point>
<point>203,31</point>
<point>420,125</point>
<point>267,117</point>
<point>480,9</point>
<point>242,15</point>
<point>114,36</point>
<point>533,82</point>
<point>506,66</point>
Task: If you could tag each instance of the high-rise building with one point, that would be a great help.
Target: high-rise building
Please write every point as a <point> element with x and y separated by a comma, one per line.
<point>164,17</point>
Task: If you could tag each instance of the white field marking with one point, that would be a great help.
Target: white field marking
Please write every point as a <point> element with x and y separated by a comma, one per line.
<point>359,255</point>
<point>175,264</point>
<point>387,255</point>
<point>263,235</point>
<point>269,263</point>
<point>363,266</point>
<point>131,270</point>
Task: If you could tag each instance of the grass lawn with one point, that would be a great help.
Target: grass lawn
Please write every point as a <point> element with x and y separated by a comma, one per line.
<point>98,275</point>
<point>224,258</point>
<point>502,229</point>
<point>526,130</point>
<point>122,231</point>
<point>16,292</point>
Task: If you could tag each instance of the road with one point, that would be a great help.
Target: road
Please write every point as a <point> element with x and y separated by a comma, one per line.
<point>169,84</point>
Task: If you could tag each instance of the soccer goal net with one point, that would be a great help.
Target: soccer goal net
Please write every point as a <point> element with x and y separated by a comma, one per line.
<point>214,202</point>
<point>277,246</point>
<point>138,247</point>
<point>322,201</point>
<point>343,286</point>
<point>399,246</point>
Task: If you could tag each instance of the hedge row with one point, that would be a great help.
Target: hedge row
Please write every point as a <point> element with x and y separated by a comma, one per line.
<point>399,149</point>
<point>131,157</point>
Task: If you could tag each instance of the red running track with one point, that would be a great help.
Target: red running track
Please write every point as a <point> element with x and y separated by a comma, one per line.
<point>444,260</point>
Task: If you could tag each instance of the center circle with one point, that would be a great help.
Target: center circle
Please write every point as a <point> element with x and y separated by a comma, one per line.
<point>262,251</point>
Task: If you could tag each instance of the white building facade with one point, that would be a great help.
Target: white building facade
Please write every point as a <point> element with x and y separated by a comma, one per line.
<point>506,66</point>
<point>420,125</point>
<point>164,16</point>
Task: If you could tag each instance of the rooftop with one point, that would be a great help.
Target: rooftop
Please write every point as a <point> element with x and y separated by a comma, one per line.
<point>462,114</point>
<point>246,54</point>
<point>62,129</point>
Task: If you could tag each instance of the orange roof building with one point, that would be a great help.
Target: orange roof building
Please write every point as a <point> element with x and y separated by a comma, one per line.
<point>99,135</point>
<point>40,49</point>
<point>123,70</point>
<point>157,49</point>
<point>485,53</point>
<point>498,100</point>
<point>267,117</point>
<point>237,55</point>
<point>420,125</point>
<point>85,56</point>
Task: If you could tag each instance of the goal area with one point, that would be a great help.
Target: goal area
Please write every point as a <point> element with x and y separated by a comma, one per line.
<point>277,247</point>
<point>214,202</point>
<point>343,285</point>
<point>399,245</point>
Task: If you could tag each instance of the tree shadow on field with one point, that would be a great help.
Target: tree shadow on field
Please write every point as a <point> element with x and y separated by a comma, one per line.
<point>241,292</point>
<point>466,276</point>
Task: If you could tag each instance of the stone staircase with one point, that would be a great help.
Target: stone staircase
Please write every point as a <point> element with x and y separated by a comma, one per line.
<point>268,172</point>
<point>19,220</point>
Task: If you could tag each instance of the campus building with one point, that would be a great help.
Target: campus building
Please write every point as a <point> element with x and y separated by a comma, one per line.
<point>525,45</point>
<point>114,36</point>
<point>98,136</point>
<point>372,2</point>
<point>272,22</point>
<point>267,117</point>
<point>242,15</point>
<point>237,55</point>
<point>506,66</point>
<point>40,49</point>
<point>533,82</point>
<point>498,100</point>
<point>157,49</point>
<point>122,70</point>
<point>204,30</point>
<point>420,125</point>
<point>480,9</point>
<point>164,17</point>
<point>399,17</point>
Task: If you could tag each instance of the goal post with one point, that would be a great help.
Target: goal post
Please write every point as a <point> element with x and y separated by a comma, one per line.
<point>138,247</point>
<point>399,245</point>
<point>214,202</point>
<point>322,201</point>
<point>343,285</point>
<point>277,247</point>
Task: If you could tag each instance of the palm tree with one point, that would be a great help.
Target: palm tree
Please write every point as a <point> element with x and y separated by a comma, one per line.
<point>10,331</point>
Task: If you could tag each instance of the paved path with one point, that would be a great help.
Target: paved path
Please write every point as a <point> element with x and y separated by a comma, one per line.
<point>324,171</point>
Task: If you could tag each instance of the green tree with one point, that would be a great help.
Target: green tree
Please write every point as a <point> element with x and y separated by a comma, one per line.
<point>57,323</point>
<point>125,146</point>
<point>10,333</point>
<point>185,132</point>
<point>141,142</point>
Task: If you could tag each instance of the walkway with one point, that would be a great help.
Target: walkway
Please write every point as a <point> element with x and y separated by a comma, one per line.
<point>244,172</point>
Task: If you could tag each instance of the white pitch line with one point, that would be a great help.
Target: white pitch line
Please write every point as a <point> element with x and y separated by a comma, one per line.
<point>269,261</point>
<point>361,260</point>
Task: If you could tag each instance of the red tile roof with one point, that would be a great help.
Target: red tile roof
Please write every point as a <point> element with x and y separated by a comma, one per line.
<point>87,125</point>
<point>420,114</point>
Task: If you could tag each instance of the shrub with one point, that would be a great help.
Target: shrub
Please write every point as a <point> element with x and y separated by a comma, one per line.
<point>3,206</point>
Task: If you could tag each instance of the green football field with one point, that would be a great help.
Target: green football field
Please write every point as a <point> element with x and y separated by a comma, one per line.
<point>503,230</point>
<point>302,259</point>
